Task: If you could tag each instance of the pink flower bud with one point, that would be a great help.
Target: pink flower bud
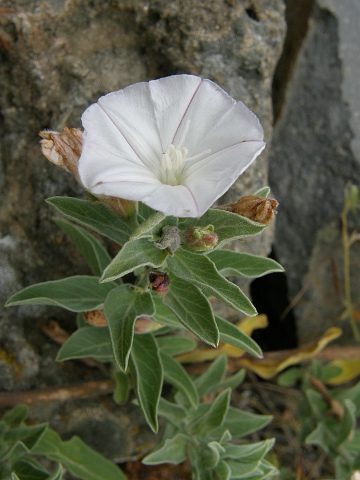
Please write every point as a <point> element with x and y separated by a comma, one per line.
<point>159,283</point>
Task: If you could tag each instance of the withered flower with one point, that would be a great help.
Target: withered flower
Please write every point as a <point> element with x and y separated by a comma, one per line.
<point>96,318</point>
<point>159,283</point>
<point>255,208</point>
<point>63,149</point>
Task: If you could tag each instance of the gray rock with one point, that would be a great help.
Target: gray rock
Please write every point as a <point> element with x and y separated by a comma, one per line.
<point>314,152</point>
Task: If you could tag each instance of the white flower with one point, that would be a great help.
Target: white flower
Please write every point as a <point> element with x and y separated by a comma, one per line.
<point>176,144</point>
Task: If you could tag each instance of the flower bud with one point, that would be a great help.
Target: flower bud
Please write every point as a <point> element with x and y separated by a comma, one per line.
<point>201,239</point>
<point>159,283</point>
<point>255,208</point>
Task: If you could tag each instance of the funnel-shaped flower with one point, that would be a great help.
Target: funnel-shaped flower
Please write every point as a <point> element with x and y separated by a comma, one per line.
<point>176,144</point>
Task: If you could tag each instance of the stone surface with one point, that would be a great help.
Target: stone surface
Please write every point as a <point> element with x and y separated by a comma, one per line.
<point>57,58</point>
<point>314,152</point>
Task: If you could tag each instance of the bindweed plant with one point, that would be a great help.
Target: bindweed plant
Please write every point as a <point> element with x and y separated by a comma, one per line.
<point>328,416</point>
<point>154,157</point>
<point>21,446</point>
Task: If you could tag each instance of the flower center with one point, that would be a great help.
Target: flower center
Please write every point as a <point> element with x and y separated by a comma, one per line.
<point>173,161</point>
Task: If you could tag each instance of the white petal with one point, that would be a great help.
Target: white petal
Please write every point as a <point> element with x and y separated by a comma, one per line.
<point>175,201</point>
<point>211,177</point>
<point>172,201</point>
<point>105,150</point>
<point>171,98</point>
<point>132,112</point>
<point>217,121</point>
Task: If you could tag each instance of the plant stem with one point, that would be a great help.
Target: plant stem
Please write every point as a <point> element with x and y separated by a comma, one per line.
<point>347,284</point>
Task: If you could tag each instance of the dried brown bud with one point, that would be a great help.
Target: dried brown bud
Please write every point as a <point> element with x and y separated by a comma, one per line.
<point>159,282</point>
<point>63,149</point>
<point>96,318</point>
<point>255,208</point>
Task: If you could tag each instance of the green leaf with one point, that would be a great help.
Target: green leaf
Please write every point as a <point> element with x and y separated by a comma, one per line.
<point>173,451</point>
<point>249,453</point>
<point>16,416</point>
<point>176,344</point>
<point>164,315</point>
<point>94,253</point>
<point>146,370</point>
<point>232,335</point>
<point>93,215</point>
<point>150,227</point>
<point>134,254</point>
<point>58,474</point>
<point>192,309</point>
<point>262,192</point>
<point>28,435</point>
<point>122,307</point>
<point>222,471</point>
<point>213,452</point>
<point>30,469</point>
<point>230,263</point>
<point>228,226</point>
<point>77,457</point>
<point>242,470</point>
<point>144,211</point>
<point>14,476</point>
<point>176,374</point>
<point>214,416</point>
<point>122,387</point>
<point>171,411</point>
<point>77,294</point>
<point>200,271</point>
<point>94,342</point>
<point>212,376</point>
<point>241,423</point>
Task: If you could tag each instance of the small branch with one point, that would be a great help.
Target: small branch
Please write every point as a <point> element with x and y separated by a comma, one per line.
<point>80,390</point>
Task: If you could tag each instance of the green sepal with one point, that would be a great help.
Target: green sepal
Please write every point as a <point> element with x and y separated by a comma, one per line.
<point>147,374</point>
<point>93,215</point>
<point>227,225</point>
<point>122,307</point>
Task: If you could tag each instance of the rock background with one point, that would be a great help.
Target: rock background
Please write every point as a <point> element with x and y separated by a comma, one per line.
<point>57,57</point>
<point>315,153</point>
